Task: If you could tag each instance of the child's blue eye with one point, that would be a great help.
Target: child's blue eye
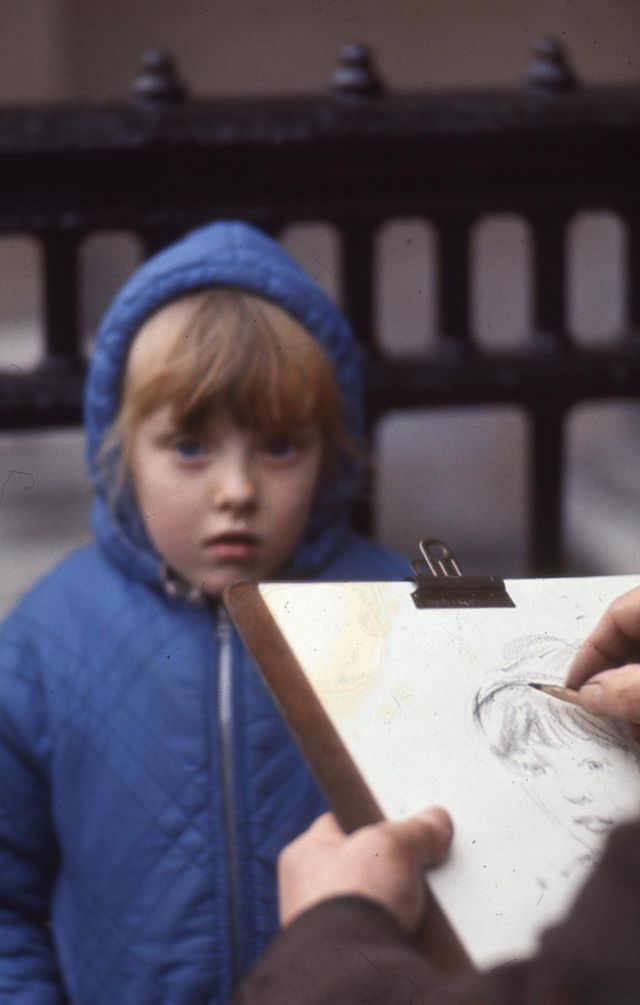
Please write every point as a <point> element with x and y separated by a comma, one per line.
<point>189,449</point>
<point>279,447</point>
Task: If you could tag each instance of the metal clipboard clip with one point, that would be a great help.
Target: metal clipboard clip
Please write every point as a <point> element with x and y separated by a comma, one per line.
<point>440,583</point>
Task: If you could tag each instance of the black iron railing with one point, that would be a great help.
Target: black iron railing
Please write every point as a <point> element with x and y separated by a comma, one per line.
<point>357,158</point>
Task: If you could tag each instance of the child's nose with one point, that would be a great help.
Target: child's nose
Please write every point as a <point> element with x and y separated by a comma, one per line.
<point>233,484</point>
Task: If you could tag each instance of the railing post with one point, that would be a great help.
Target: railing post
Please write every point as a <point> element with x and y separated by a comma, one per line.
<point>546,489</point>
<point>61,298</point>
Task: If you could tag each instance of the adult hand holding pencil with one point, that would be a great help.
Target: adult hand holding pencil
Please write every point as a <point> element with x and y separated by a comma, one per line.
<point>591,698</point>
<point>604,678</point>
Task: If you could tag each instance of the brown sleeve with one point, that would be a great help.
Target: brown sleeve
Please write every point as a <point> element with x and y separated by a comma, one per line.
<point>350,950</point>
<point>345,951</point>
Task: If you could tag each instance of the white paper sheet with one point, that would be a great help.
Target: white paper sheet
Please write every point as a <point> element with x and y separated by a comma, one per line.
<point>433,706</point>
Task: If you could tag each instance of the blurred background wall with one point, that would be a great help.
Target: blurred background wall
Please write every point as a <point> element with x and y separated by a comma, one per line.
<point>461,474</point>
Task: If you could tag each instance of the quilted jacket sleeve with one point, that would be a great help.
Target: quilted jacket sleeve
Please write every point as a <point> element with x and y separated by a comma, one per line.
<point>28,853</point>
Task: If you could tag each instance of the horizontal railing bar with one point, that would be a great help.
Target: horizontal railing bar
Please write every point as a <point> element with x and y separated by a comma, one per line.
<point>522,379</point>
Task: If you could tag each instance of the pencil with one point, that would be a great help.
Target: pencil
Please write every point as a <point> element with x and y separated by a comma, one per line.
<point>565,694</point>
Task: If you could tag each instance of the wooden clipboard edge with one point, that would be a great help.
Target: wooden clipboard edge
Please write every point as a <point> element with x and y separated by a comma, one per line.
<point>335,771</point>
<point>333,767</point>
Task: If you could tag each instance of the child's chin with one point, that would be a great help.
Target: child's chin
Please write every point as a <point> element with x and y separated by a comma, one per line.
<point>214,588</point>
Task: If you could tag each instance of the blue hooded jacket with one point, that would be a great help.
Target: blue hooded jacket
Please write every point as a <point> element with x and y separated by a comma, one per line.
<point>147,782</point>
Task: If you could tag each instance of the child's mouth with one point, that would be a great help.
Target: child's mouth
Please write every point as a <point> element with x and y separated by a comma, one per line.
<point>232,546</point>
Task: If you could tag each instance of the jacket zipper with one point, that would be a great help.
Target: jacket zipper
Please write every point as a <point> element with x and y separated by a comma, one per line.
<point>225,712</point>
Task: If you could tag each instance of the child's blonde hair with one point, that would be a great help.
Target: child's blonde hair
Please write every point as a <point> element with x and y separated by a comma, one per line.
<point>225,348</point>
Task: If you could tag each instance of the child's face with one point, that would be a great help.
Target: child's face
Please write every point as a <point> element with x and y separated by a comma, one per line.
<point>228,505</point>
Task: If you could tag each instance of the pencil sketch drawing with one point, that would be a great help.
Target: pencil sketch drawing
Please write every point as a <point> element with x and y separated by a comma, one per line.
<point>561,755</point>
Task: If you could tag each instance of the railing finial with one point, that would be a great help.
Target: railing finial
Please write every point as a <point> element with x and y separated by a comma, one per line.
<point>157,82</point>
<point>550,69</point>
<point>356,73</point>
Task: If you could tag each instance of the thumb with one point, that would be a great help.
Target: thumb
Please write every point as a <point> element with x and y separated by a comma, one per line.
<point>614,692</point>
<point>426,836</point>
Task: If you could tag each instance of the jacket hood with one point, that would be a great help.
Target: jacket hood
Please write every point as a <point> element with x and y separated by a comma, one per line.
<point>220,254</point>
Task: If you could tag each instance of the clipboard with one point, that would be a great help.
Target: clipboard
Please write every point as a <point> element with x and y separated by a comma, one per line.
<point>389,690</point>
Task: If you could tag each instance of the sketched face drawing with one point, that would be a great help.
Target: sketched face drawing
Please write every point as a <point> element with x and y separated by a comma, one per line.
<point>562,756</point>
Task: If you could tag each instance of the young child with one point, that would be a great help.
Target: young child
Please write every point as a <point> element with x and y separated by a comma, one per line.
<point>147,782</point>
